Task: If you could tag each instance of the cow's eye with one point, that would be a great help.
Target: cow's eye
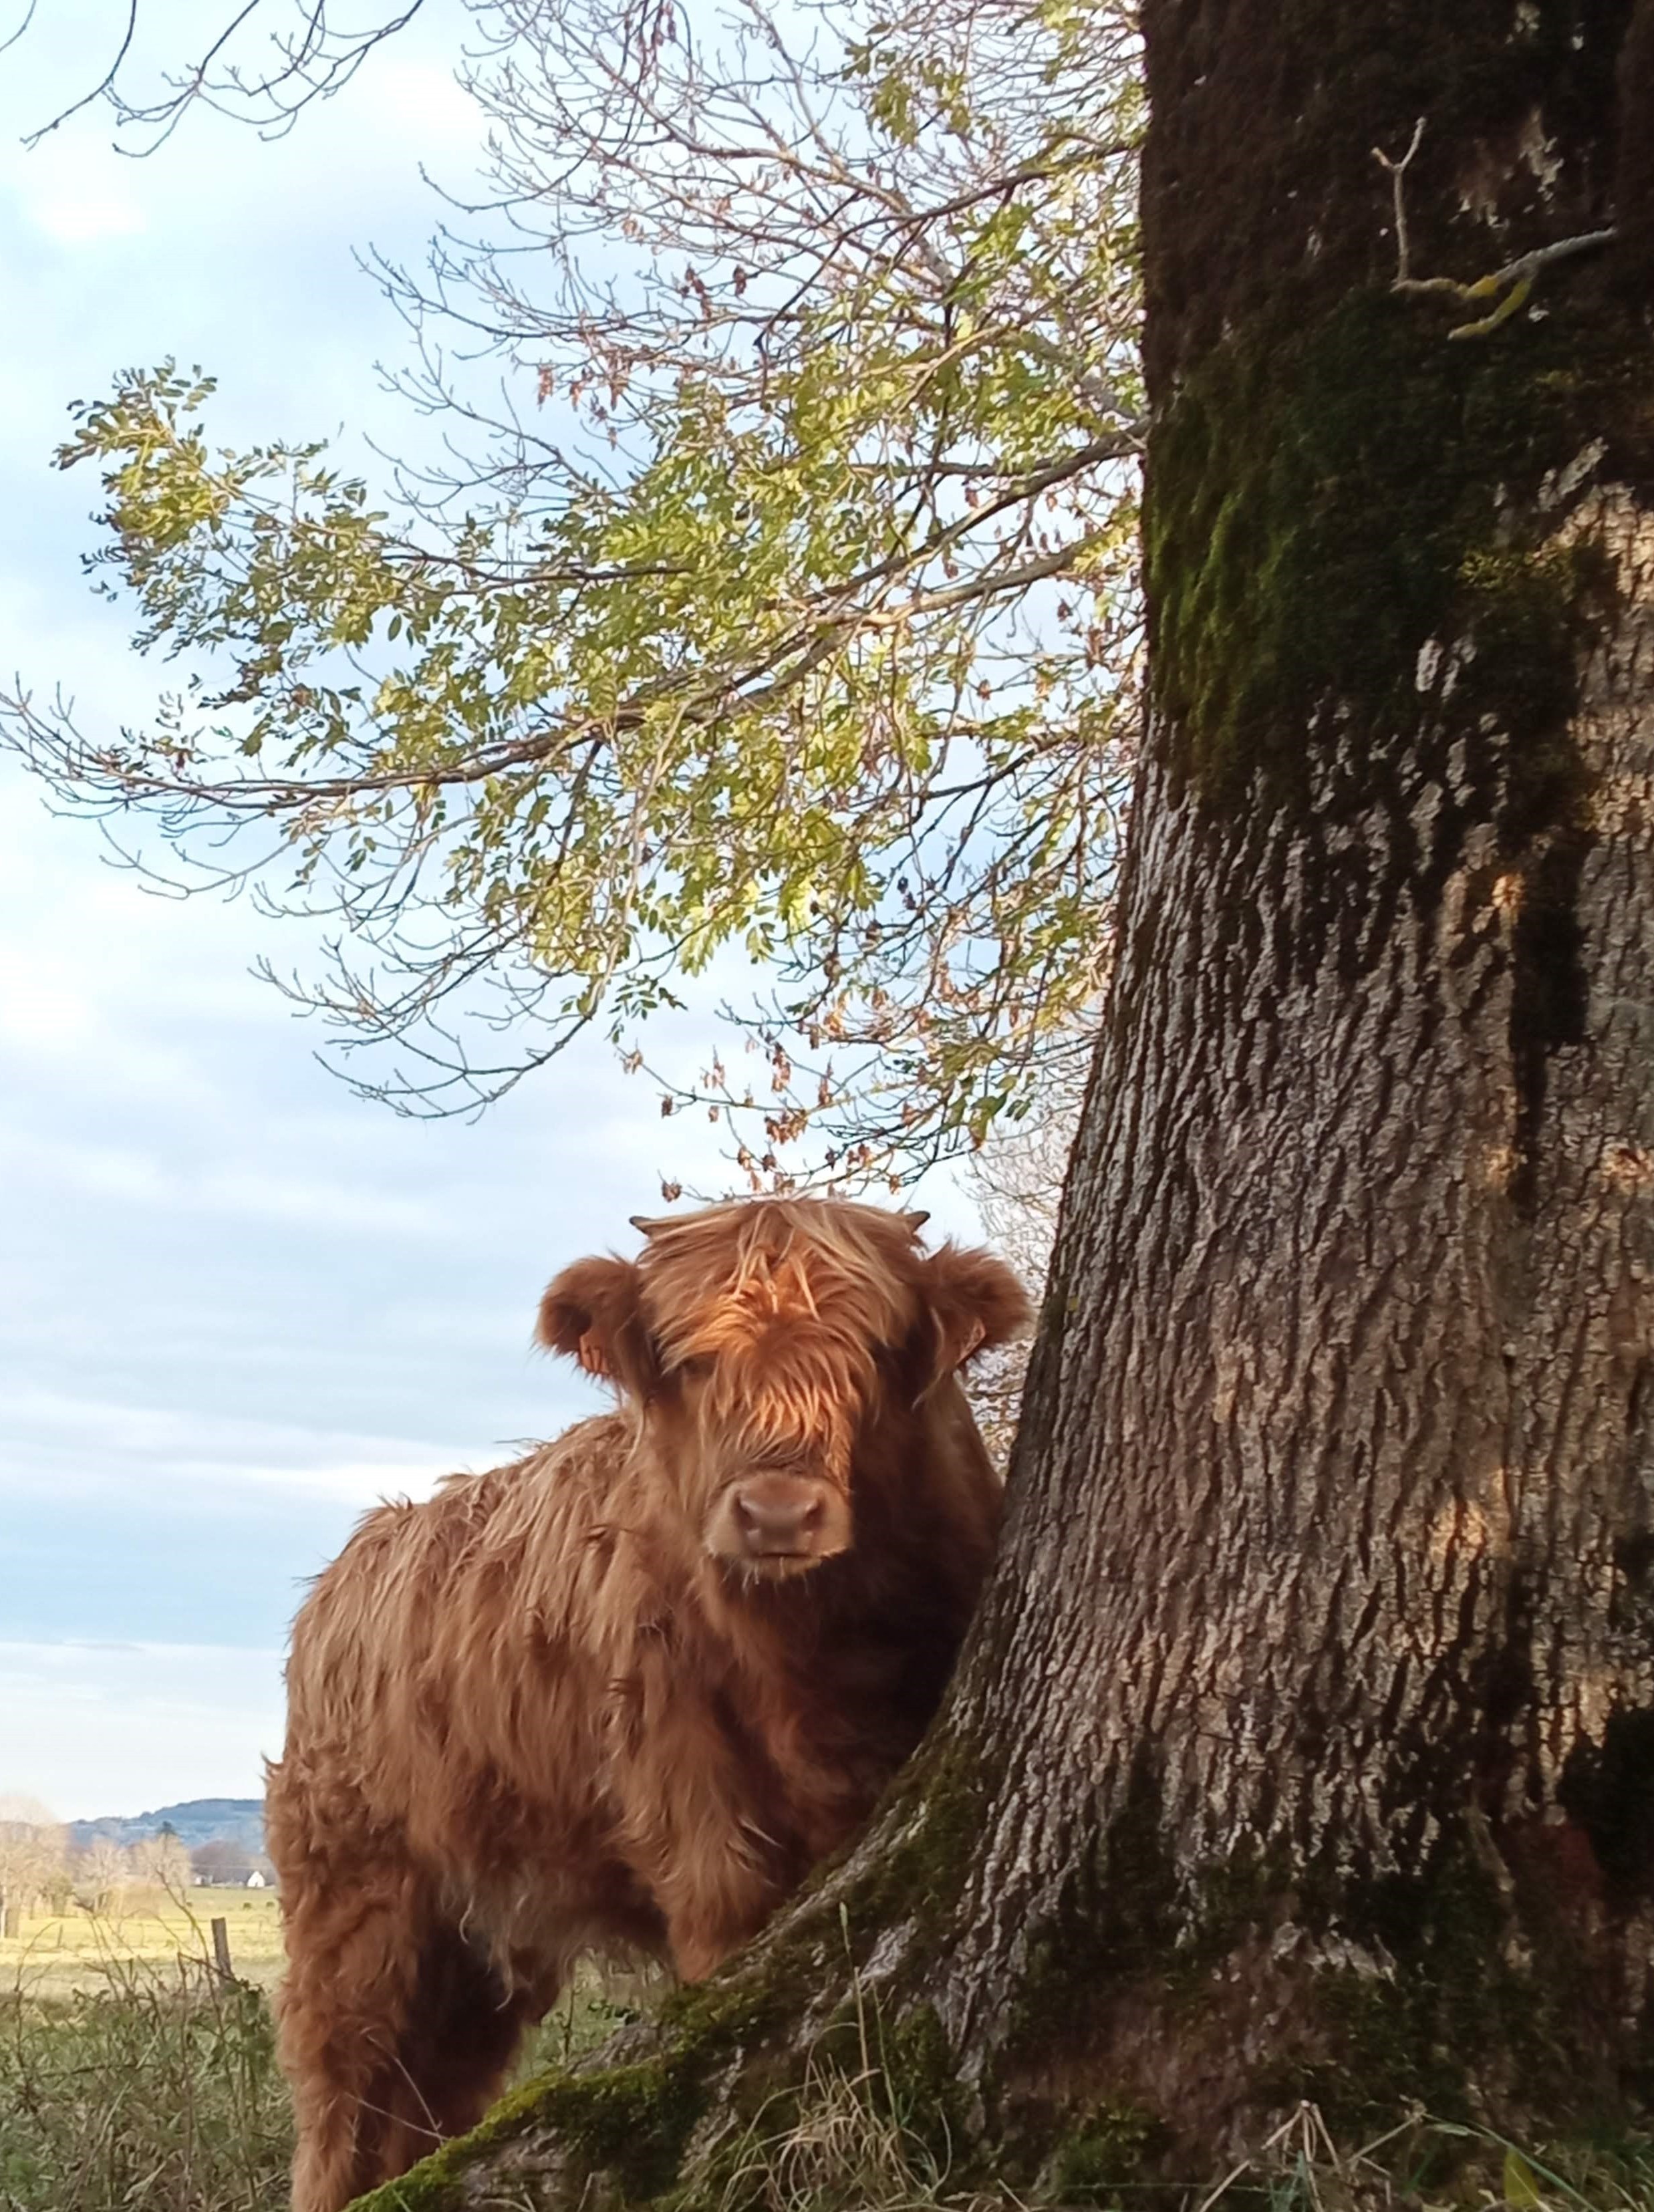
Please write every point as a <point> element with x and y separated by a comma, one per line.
<point>698,1364</point>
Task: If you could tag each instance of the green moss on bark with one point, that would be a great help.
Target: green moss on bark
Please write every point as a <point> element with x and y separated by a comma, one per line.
<point>917,1878</point>
<point>428,2187</point>
<point>627,2124</point>
<point>1468,1995</point>
<point>1128,1918</point>
<point>921,2081</point>
<point>1109,2149</point>
<point>1481,1981</point>
<point>1351,528</point>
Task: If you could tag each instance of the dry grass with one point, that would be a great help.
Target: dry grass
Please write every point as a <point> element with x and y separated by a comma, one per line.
<point>56,1955</point>
<point>1423,2164</point>
<point>849,2143</point>
<point>157,2092</point>
<point>143,2084</point>
<point>133,2079</point>
<point>844,2148</point>
<point>848,2149</point>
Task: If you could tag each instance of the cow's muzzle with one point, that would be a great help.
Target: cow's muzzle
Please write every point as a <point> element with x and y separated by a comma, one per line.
<point>780,1523</point>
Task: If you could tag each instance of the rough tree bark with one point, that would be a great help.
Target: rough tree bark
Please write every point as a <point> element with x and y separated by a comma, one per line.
<point>1306,1742</point>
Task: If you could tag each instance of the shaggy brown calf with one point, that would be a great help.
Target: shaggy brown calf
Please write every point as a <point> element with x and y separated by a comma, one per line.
<point>623,1694</point>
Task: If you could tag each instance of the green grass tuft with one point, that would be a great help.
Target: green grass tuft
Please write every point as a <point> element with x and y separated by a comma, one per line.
<point>157,2092</point>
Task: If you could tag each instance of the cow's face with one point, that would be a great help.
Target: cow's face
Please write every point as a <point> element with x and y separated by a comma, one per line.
<point>759,1340</point>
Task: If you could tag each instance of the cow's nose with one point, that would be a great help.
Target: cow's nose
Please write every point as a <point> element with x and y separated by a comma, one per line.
<point>777,1514</point>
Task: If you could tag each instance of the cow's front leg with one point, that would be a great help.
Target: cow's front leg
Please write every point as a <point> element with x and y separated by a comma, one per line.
<point>697,1833</point>
<point>716,1905</point>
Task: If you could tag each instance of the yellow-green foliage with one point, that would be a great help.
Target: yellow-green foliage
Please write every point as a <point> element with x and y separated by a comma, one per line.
<point>827,657</point>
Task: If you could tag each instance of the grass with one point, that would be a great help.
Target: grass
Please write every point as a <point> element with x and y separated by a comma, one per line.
<point>71,1953</point>
<point>133,2080</point>
<point>1425,2165</point>
<point>157,2092</point>
<point>596,2002</point>
<point>849,2148</point>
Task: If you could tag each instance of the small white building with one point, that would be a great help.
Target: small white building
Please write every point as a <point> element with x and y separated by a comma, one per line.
<point>255,1879</point>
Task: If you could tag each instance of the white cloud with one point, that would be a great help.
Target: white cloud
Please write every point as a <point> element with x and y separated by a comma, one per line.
<point>91,1728</point>
<point>237,1190</point>
<point>80,211</point>
<point>86,1446</point>
<point>228,1293</point>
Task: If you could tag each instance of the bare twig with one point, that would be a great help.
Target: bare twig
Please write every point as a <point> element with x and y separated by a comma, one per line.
<point>1510,287</point>
<point>313,64</point>
<point>1397,172</point>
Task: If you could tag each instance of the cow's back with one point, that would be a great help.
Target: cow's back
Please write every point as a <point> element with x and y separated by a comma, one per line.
<point>442,1670</point>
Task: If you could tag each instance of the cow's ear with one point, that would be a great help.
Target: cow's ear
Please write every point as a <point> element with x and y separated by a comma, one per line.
<point>975,1302</point>
<point>592,1313</point>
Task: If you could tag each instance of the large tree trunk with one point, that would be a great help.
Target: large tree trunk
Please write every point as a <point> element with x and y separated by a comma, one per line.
<point>1306,1742</point>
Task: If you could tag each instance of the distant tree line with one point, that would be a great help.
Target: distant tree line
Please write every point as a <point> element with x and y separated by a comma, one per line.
<point>41,1869</point>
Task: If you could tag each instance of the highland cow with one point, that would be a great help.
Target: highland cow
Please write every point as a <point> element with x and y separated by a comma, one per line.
<point>622,1695</point>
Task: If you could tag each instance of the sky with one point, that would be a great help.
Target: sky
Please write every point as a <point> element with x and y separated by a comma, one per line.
<point>237,1305</point>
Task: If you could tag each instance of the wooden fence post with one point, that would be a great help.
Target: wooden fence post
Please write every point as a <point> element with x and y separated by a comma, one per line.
<point>221,1950</point>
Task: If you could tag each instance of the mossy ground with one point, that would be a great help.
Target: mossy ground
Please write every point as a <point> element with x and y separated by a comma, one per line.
<point>846,2141</point>
<point>1461,1990</point>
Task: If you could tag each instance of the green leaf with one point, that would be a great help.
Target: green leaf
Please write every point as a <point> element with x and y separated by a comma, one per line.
<point>1521,2184</point>
<point>827,661</point>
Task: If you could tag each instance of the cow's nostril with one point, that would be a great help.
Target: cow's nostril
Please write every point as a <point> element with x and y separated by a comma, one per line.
<point>767,1518</point>
<point>770,1523</point>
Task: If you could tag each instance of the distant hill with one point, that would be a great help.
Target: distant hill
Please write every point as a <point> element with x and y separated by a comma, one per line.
<point>201,1820</point>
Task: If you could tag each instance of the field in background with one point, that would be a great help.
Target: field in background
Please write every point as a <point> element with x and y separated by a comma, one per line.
<point>61,1955</point>
<point>134,2079</point>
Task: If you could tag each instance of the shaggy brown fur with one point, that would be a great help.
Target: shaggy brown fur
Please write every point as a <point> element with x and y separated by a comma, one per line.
<point>623,1694</point>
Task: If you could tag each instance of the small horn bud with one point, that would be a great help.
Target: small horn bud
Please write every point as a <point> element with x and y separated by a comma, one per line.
<point>915,1221</point>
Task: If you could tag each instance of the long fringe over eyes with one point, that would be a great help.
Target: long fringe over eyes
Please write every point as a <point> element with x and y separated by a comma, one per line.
<point>532,1717</point>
